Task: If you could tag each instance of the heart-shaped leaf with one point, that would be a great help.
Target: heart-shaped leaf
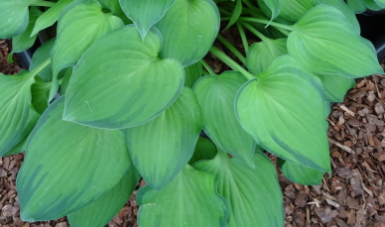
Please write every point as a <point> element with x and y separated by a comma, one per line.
<point>260,55</point>
<point>41,55</point>
<point>192,74</point>
<point>81,26</point>
<point>189,28</point>
<point>292,99</point>
<point>270,8</point>
<point>14,17</point>
<point>16,115</point>
<point>253,194</point>
<point>216,97</point>
<point>293,10</point>
<point>160,148</point>
<point>347,53</point>
<point>336,86</point>
<point>68,165</point>
<point>145,13</point>
<point>189,200</point>
<point>204,150</point>
<point>300,174</point>
<point>102,210</point>
<point>110,92</point>
<point>50,16</point>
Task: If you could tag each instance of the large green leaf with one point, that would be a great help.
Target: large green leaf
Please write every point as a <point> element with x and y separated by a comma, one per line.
<point>216,97</point>
<point>300,174</point>
<point>189,28</point>
<point>41,55</point>
<point>111,92</point>
<point>24,41</point>
<point>288,96</point>
<point>160,148</point>
<point>81,26</point>
<point>358,6</point>
<point>16,117</point>
<point>270,8</point>
<point>68,165</point>
<point>189,200</point>
<point>14,17</point>
<point>253,194</point>
<point>103,209</point>
<point>192,74</point>
<point>260,55</point>
<point>50,16</point>
<point>145,13</point>
<point>293,10</point>
<point>346,53</point>
<point>336,86</point>
<point>204,150</point>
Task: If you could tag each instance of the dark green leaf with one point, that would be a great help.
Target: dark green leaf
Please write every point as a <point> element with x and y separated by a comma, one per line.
<point>300,174</point>
<point>358,6</point>
<point>204,150</point>
<point>236,14</point>
<point>271,8</point>
<point>40,91</point>
<point>192,74</point>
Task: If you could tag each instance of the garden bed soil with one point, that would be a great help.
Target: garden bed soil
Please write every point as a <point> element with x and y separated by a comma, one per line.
<point>353,196</point>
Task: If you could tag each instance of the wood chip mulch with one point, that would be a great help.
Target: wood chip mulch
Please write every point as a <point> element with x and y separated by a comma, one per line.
<point>354,196</point>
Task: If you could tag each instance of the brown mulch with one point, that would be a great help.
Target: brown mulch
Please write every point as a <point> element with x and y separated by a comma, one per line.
<point>353,196</point>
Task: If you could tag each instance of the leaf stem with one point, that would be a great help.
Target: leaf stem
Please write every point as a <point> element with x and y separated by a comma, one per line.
<point>231,63</point>
<point>255,31</point>
<point>263,21</point>
<point>39,68</point>
<point>42,3</point>
<point>243,37</point>
<point>233,50</point>
<point>208,68</point>
<point>283,31</point>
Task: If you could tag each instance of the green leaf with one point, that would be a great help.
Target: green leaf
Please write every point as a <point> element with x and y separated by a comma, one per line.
<point>216,97</point>
<point>110,92</point>
<point>300,174</point>
<point>14,17</point>
<point>260,55</point>
<point>103,209</point>
<point>236,14</point>
<point>77,30</point>
<point>293,10</point>
<point>15,109</point>
<point>145,13</point>
<point>297,130</point>
<point>372,5</point>
<point>40,91</point>
<point>271,8</point>
<point>189,28</point>
<point>380,3</point>
<point>24,41</point>
<point>50,16</point>
<point>336,86</point>
<point>68,165</point>
<point>358,6</point>
<point>253,194</point>
<point>189,200</point>
<point>346,53</point>
<point>204,150</point>
<point>41,55</point>
<point>160,148</point>
<point>192,74</point>
<point>346,10</point>
<point>65,81</point>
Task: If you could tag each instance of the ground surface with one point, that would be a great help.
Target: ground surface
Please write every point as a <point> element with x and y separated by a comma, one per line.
<point>353,196</point>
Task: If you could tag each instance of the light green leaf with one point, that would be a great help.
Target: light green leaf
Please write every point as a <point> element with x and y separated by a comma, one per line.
<point>145,13</point>
<point>14,17</point>
<point>204,150</point>
<point>253,194</point>
<point>236,14</point>
<point>40,91</point>
<point>346,10</point>
<point>103,209</point>
<point>271,8</point>
<point>189,28</point>
<point>380,3</point>
<point>297,130</point>
<point>293,10</point>
<point>50,16</point>
<point>110,92</point>
<point>260,55</point>
<point>160,148</point>
<point>300,174</point>
<point>336,86</point>
<point>189,200</point>
<point>346,53</point>
<point>24,41</point>
<point>192,74</point>
<point>15,109</point>
<point>68,165</point>
<point>358,6</point>
<point>41,55</point>
<point>77,30</point>
<point>216,97</point>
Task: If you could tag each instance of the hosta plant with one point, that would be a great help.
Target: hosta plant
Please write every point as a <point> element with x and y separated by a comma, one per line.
<point>130,89</point>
